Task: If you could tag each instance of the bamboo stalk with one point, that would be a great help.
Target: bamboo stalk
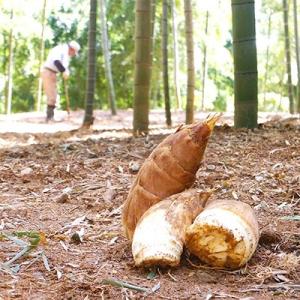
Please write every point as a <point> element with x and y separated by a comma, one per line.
<point>190,61</point>
<point>245,64</point>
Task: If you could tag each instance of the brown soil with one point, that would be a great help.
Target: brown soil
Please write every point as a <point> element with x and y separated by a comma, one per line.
<point>49,180</point>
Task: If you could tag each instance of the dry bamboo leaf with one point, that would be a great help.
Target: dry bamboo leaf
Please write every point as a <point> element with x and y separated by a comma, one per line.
<point>58,274</point>
<point>45,261</point>
<point>77,221</point>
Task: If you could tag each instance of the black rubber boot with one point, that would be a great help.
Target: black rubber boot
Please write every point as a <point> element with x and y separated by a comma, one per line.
<point>50,112</point>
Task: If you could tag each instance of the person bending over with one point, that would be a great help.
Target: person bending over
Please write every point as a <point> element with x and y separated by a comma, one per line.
<point>57,62</point>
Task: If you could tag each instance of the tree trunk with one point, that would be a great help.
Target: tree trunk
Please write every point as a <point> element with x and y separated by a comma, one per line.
<point>155,74</point>
<point>4,67</point>
<point>204,62</point>
<point>91,72</point>
<point>297,54</point>
<point>9,82</point>
<point>143,62</point>
<point>267,58</point>
<point>41,58</point>
<point>175,60</point>
<point>165,62</point>
<point>153,13</point>
<point>107,58</point>
<point>189,118</point>
<point>288,54</point>
<point>245,64</point>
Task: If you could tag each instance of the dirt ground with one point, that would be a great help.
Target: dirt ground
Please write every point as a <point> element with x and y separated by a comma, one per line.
<point>69,185</point>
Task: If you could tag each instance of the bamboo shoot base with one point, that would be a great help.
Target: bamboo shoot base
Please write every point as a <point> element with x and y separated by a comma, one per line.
<point>154,242</point>
<point>222,238</point>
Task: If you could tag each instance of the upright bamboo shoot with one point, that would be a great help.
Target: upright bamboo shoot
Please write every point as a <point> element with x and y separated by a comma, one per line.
<point>170,169</point>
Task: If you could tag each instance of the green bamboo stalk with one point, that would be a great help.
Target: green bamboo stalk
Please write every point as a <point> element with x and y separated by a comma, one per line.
<point>143,65</point>
<point>288,54</point>
<point>245,63</point>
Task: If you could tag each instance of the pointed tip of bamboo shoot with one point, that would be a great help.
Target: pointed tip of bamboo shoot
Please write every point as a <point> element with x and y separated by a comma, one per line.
<point>212,119</point>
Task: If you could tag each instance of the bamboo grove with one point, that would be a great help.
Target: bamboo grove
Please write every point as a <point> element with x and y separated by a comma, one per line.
<point>237,55</point>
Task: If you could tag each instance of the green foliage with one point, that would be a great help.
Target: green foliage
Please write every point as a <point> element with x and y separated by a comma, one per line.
<point>120,16</point>
<point>224,86</point>
<point>23,77</point>
<point>70,21</point>
<point>62,32</point>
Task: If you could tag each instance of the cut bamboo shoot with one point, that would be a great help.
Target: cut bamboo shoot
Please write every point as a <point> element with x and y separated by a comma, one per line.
<point>225,234</point>
<point>159,236</point>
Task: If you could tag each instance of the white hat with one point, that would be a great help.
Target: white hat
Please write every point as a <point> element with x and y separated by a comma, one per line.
<point>74,45</point>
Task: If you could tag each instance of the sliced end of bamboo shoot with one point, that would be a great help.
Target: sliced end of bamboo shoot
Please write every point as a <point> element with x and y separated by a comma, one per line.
<point>221,237</point>
<point>154,242</point>
<point>159,235</point>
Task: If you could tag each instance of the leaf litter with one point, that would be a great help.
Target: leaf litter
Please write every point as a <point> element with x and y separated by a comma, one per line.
<point>68,183</point>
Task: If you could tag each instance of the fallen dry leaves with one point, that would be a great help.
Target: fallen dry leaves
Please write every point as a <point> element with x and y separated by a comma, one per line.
<point>71,187</point>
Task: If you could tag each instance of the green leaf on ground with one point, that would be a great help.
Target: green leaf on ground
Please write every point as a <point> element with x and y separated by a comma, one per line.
<point>291,218</point>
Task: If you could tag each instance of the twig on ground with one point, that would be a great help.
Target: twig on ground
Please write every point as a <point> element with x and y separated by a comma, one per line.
<point>272,287</point>
<point>18,255</point>
<point>171,276</point>
<point>124,284</point>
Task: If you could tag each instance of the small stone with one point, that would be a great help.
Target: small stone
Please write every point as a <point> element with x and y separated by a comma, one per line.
<point>255,198</point>
<point>63,198</point>
<point>77,237</point>
<point>26,171</point>
<point>261,206</point>
<point>234,195</point>
<point>67,190</point>
<point>134,167</point>
<point>211,167</point>
<point>259,178</point>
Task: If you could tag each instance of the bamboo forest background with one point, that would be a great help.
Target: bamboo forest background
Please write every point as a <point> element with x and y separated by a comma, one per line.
<point>22,36</point>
